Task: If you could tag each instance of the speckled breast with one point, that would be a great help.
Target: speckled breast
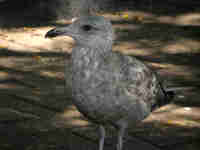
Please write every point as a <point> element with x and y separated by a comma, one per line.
<point>99,97</point>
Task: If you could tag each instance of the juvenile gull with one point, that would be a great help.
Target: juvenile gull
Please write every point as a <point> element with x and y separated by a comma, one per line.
<point>108,87</point>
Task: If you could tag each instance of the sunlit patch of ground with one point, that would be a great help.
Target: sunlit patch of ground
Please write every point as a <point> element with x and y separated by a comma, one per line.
<point>182,46</point>
<point>69,118</point>
<point>188,19</point>
<point>176,115</point>
<point>149,17</point>
<point>31,40</point>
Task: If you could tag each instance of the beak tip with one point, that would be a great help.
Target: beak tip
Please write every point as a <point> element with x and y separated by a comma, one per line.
<point>56,32</point>
<point>46,36</point>
<point>51,33</point>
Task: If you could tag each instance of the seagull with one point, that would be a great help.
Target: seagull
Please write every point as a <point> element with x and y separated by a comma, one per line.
<point>108,88</point>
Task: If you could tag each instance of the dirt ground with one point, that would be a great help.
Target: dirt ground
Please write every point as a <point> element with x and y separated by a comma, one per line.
<point>37,114</point>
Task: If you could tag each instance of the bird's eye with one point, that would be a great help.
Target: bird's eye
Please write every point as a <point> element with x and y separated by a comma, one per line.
<point>86,27</point>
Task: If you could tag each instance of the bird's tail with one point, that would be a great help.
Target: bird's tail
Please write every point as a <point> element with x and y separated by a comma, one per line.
<point>168,95</point>
<point>172,92</point>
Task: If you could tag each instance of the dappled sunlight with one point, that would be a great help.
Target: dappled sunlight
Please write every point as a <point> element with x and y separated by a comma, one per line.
<point>154,38</point>
<point>11,86</point>
<point>135,16</point>
<point>188,19</point>
<point>39,43</point>
<point>176,115</point>
<point>136,51</point>
<point>62,21</point>
<point>187,112</point>
<point>6,63</point>
<point>12,81</point>
<point>178,70</point>
<point>132,48</point>
<point>71,117</point>
<point>25,36</point>
<point>186,46</point>
<point>148,17</point>
<point>163,65</point>
<point>32,76</point>
<point>52,74</point>
<point>4,75</point>
<point>125,27</point>
<point>166,19</point>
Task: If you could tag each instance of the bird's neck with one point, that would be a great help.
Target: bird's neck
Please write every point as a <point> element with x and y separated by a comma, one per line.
<point>87,55</point>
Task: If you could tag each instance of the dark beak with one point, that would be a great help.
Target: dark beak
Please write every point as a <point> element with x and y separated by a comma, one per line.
<point>56,32</point>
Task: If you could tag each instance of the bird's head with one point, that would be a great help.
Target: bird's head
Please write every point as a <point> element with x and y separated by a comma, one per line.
<point>90,31</point>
